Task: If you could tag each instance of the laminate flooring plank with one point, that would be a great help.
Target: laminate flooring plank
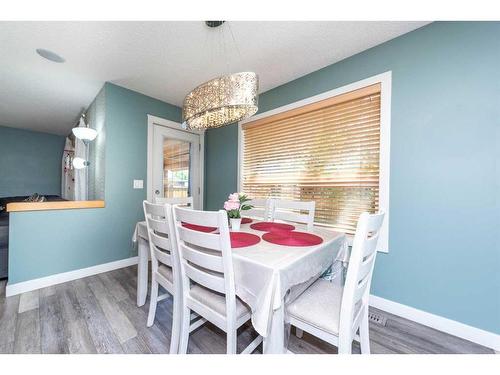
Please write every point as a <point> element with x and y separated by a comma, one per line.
<point>51,325</point>
<point>29,301</point>
<point>27,339</point>
<point>118,321</point>
<point>8,320</point>
<point>103,336</point>
<point>112,287</point>
<point>77,337</point>
<point>136,346</point>
<point>154,337</point>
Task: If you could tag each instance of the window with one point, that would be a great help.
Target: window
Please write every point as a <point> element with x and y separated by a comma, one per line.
<point>328,150</point>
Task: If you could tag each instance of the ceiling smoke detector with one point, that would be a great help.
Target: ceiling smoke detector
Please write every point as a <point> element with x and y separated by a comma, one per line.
<point>214,23</point>
<point>49,55</point>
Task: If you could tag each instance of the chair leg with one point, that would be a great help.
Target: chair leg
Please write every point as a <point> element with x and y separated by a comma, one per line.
<point>298,332</point>
<point>176,325</point>
<point>232,336</point>
<point>184,334</point>
<point>345,344</point>
<point>364,335</point>
<point>152,302</point>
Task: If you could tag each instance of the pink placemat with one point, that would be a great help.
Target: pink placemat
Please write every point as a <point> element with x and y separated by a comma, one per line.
<point>246,220</point>
<point>199,228</point>
<point>242,239</point>
<point>268,226</point>
<point>292,238</point>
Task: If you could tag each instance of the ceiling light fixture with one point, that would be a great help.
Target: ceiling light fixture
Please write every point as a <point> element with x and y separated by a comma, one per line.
<point>84,132</point>
<point>49,55</point>
<point>221,101</point>
<point>86,135</point>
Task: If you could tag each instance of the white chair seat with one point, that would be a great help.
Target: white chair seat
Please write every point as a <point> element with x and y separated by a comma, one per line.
<point>319,306</point>
<point>166,272</point>
<point>217,301</point>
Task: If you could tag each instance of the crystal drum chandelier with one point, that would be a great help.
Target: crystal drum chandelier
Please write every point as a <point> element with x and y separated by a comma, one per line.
<point>221,101</point>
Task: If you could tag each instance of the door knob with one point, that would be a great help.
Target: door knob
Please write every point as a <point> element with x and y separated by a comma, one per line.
<point>157,192</point>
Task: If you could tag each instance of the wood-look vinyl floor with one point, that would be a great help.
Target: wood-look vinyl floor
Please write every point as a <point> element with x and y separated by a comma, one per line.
<point>98,314</point>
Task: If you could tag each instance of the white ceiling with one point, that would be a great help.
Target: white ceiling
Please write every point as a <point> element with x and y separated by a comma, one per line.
<point>164,60</point>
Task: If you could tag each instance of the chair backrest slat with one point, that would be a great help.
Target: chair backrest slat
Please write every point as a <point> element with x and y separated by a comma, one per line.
<point>163,257</point>
<point>207,240</point>
<point>161,236</point>
<point>289,210</point>
<point>178,201</point>
<point>360,289</point>
<point>193,217</point>
<point>158,241</point>
<point>156,210</point>
<point>203,258</point>
<point>360,271</point>
<point>261,209</point>
<point>158,225</point>
<point>206,279</point>
<point>366,267</point>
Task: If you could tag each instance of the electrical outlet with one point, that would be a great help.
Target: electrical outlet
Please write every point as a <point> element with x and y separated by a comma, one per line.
<point>138,184</point>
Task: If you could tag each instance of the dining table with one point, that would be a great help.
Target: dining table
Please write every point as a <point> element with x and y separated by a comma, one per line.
<point>267,275</point>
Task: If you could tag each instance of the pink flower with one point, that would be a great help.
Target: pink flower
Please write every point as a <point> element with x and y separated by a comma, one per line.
<point>231,205</point>
<point>235,197</point>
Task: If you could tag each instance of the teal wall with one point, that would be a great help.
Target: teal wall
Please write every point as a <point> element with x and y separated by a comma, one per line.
<point>30,162</point>
<point>221,167</point>
<point>445,151</point>
<point>66,240</point>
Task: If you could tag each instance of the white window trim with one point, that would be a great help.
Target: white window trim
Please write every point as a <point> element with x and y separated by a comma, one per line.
<point>152,120</point>
<point>385,80</point>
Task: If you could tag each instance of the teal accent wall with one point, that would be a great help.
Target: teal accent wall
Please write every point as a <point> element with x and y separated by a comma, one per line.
<point>221,167</point>
<point>30,162</point>
<point>445,151</point>
<point>49,242</point>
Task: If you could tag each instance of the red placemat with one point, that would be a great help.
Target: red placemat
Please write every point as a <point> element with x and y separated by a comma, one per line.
<point>246,220</point>
<point>199,228</point>
<point>242,239</point>
<point>268,226</point>
<point>292,238</point>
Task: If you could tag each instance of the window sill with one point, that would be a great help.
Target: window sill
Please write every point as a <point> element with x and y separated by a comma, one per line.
<point>45,206</point>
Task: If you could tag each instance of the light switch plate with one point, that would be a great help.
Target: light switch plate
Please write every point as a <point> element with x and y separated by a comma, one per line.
<point>138,184</point>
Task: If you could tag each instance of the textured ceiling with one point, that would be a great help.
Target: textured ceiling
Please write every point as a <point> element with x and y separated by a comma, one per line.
<point>164,60</point>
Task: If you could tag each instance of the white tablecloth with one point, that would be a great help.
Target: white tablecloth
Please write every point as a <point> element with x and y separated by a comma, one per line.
<point>267,275</point>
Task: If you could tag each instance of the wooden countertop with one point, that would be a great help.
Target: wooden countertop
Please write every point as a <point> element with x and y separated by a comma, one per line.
<point>58,205</point>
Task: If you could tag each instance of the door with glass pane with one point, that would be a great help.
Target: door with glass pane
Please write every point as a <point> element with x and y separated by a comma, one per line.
<point>176,164</point>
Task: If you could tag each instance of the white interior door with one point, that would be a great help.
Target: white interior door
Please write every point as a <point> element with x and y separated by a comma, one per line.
<point>176,164</point>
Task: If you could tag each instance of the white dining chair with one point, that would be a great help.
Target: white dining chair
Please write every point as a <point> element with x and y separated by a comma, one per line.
<point>164,264</point>
<point>334,313</point>
<point>288,210</point>
<point>179,201</point>
<point>261,209</point>
<point>208,278</point>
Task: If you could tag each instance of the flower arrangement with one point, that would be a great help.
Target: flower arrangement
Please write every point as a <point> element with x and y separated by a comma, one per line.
<point>235,204</point>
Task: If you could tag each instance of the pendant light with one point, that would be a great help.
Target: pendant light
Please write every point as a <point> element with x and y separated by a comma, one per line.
<point>221,101</point>
<point>86,135</point>
<point>83,132</point>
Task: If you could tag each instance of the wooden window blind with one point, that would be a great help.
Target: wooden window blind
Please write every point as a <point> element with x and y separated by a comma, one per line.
<point>327,151</point>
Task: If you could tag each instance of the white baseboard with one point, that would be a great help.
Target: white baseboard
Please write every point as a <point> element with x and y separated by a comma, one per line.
<point>27,286</point>
<point>464,331</point>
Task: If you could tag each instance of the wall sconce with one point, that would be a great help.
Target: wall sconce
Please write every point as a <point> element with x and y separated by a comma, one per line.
<point>85,134</point>
<point>79,163</point>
